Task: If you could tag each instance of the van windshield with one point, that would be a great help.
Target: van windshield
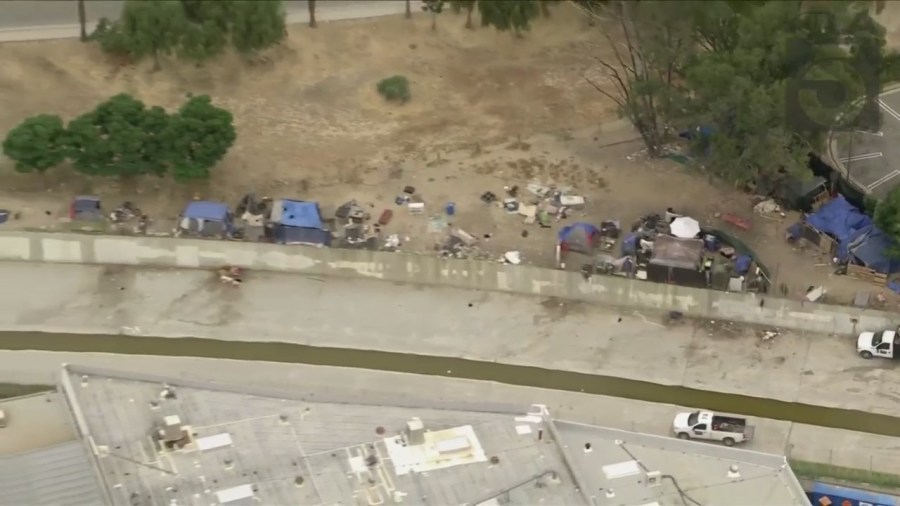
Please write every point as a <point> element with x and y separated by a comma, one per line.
<point>693,418</point>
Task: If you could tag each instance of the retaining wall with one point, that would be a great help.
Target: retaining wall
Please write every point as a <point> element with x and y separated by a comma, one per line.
<point>433,270</point>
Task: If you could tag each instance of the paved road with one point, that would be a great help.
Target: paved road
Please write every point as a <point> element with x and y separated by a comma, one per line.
<point>803,442</point>
<point>499,327</point>
<point>22,20</point>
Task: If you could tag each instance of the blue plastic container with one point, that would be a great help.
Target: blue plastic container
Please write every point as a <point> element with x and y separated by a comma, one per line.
<point>4,215</point>
<point>451,208</point>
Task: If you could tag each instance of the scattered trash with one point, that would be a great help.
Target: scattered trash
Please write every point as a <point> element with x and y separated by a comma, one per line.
<point>766,207</point>
<point>409,190</point>
<point>416,207</point>
<point>814,294</point>
<point>392,242</point>
<point>511,205</point>
<point>512,257</point>
<point>467,238</point>
<point>488,197</point>
<point>769,334</point>
<point>436,224</point>
<point>450,208</point>
<point>385,217</point>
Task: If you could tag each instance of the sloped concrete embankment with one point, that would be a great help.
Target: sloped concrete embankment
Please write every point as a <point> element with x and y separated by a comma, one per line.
<point>433,270</point>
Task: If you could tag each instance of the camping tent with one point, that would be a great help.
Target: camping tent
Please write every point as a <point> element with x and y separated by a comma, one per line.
<point>839,219</point>
<point>579,237</point>
<point>298,222</point>
<point>206,218</point>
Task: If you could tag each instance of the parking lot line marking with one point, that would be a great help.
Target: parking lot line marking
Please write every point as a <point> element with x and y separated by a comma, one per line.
<point>867,156</point>
<point>883,180</point>
<point>894,114</point>
<point>879,134</point>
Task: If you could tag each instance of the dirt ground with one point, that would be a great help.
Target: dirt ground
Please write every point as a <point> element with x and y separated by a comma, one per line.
<point>487,111</point>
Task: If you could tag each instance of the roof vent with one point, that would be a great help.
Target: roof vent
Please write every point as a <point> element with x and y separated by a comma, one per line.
<point>654,479</point>
<point>610,494</point>
<point>167,392</point>
<point>84,381</point>
<point>734,472</point>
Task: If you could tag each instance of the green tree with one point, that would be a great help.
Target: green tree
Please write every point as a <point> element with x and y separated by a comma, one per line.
<point>435,7</point>
<point>120,137</point>
<point>37,144</point>
<point>728,69</point>
<point>887,218</point>
<point>151,28</point>
<point>198,136</point>
<point>504,15</point>
<point>257,24</point>
<point>643,74</point>
<point>311,6</point>
<point>464,5</point>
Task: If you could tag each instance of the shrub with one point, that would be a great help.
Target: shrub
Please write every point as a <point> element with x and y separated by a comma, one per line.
<point>394,89</point>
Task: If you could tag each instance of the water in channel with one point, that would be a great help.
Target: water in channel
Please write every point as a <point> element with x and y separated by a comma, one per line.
<point>459,368</point>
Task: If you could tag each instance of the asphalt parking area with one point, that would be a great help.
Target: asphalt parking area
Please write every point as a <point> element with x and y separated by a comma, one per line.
<point>872,159</point>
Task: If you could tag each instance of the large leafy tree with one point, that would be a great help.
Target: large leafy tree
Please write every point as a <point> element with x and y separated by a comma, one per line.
<point>198,136</point>
<point>887,218</point>
<point>509,15</point>
<point>37,144</point>
<point>464,5</point>
<point>151,28</point>
<point>195,30</point>
<point>256,24</point>
<point>120,137</point>
<point>730,69</point>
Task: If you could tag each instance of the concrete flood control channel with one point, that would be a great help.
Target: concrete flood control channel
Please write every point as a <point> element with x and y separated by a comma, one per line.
<point>458,368</point>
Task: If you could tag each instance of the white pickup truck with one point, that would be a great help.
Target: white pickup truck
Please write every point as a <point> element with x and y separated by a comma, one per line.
<point>878,344</point>
<point>710,426</point>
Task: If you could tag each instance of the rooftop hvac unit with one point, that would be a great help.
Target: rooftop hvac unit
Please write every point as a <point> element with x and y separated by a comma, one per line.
<point>415,432</point>
<point>654,479</point>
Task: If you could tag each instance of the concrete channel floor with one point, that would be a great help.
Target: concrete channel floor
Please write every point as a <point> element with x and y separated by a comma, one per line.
<point>342,312</point>
<point>804,442</point>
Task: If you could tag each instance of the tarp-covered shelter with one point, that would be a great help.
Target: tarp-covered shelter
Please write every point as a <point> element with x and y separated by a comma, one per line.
<point>839,219</point>
<point>299,222</point>
<point>207,219</point>
<point>579,237</point>
<point>678,253</point>
<point>869,248</point>
<point>678,261</point>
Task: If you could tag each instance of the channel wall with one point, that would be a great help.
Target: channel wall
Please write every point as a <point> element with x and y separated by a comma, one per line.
<point>434,270</point>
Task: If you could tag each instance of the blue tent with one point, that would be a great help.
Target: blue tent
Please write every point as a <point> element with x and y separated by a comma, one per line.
<point>295,213</point>
<point>580,237</point>
<point>840,219</point>
<point>299,222</point>
<point>205,218</point>
<point>869,247</point>
<point>206,210</point>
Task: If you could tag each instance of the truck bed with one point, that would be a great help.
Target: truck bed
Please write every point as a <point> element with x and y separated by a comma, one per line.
<point>729,424</point>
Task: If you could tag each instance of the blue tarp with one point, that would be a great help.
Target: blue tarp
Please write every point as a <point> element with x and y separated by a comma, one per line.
<point>839,219</point>
<point>301,214</point>
<point>205,210</point>
<point>578,237</point>
<point>870,246</point>
<point>846,495</point>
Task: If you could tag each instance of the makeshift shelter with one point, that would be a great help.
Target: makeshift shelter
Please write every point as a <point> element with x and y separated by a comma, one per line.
<point>869,248</point>
<point>579,237</point>
<point>206,219</point>
<point>839,219</point>
<point>299,222</point>
<point>678,261</point>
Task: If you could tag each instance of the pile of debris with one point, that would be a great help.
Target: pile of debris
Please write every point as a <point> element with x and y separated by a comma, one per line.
<point>461,244</point>
<point>545,204</point>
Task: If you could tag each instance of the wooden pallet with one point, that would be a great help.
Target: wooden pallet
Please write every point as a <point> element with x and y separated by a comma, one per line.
<point>866,274</point>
